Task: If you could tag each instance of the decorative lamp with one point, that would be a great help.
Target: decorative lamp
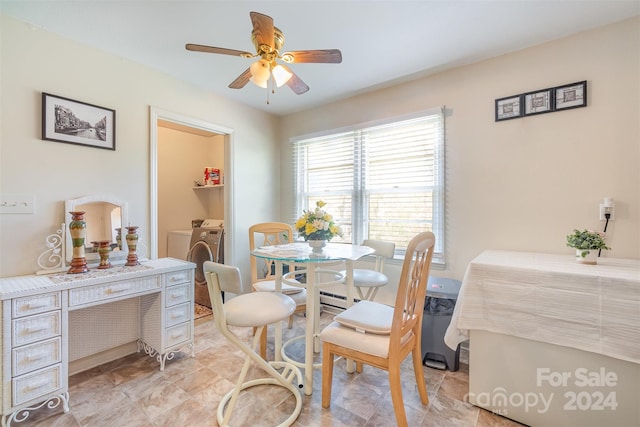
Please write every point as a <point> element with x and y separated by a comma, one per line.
<point>260,72</point>
<point>280,75</point>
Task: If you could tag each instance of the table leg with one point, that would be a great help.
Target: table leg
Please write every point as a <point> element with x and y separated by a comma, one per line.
<point>310,329</point>
<point>278,325</point>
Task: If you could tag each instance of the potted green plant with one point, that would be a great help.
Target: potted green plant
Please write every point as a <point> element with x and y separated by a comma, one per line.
<point>587,244</point>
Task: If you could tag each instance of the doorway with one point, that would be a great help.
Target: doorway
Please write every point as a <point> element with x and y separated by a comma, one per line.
<point>177,121</point>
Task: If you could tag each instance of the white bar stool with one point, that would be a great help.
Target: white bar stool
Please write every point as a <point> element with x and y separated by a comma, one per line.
<point>250,309</point>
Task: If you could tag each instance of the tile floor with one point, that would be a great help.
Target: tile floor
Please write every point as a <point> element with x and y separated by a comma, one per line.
<point>132,391</point>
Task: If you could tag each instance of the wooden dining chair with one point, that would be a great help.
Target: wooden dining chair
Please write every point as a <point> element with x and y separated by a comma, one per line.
<point>263,270</point>
<point>382,336</point>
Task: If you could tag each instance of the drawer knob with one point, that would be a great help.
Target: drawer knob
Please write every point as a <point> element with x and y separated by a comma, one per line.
<point>32,306</point>
<point>116,290</point>
<point>35,386</point>
<point>32,357</point>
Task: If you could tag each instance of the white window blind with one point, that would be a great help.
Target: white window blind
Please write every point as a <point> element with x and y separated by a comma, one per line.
<point>383,181</point>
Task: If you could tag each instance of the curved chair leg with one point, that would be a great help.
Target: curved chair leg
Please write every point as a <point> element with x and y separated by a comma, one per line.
<point>396,394</point>
<point>289,375</point>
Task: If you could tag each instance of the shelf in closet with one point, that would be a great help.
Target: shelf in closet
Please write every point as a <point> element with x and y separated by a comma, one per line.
<point>203,187</point>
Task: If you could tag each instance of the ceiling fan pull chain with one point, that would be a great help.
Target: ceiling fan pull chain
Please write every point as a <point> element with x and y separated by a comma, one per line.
<point>268,95</point>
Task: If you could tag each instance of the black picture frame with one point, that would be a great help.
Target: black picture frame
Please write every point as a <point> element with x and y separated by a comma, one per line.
<point>508,108</point>
<point>76,122</point>
<point>573,95</point>
<point>538,102</point>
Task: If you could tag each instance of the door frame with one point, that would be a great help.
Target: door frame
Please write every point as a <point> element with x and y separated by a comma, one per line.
<point>157,114</point>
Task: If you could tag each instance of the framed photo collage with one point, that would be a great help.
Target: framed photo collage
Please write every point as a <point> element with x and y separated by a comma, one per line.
<point>573,95</point>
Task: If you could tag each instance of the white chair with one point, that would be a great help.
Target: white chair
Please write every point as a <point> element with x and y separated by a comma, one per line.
<point>250,309</point>
<point>383,336</point>
<point>263,270</point>
<point>372,280</point>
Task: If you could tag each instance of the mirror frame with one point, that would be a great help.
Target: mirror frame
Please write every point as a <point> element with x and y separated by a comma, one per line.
<point>72,204</point>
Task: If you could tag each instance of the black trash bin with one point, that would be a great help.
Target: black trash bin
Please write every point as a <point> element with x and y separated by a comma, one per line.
<point>439,303</point>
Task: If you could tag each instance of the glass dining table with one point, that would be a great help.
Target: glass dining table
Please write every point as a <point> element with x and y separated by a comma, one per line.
<point>316,267</point>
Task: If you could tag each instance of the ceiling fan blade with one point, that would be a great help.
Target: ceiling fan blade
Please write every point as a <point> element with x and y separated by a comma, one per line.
<point>262,28</point>
<point>241,80</point>
<point>326,56</point>
<point>295,83</point>
<point>212,49</point>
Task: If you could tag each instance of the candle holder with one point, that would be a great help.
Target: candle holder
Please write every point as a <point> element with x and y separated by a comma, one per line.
<point>132,243</point>
<point>119,238</point>
<point>104,247</point>
<point>78,231</point>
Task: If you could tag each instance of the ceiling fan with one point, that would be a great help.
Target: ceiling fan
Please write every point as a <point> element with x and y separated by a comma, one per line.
<point>268,41</point>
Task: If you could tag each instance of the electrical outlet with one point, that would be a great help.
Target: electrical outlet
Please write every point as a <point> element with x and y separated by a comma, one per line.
<point>604,210</point>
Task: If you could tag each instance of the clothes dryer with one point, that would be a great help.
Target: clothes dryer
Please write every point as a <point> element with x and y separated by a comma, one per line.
<point>207,244</point>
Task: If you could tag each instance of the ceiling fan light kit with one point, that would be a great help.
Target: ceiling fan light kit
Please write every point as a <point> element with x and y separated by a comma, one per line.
<point>268,41</point>
<point>260,73</point>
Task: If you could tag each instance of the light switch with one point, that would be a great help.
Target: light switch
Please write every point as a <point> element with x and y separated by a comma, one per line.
<point>17,203</point>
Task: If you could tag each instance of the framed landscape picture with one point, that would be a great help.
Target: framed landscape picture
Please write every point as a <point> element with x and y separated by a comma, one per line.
<point>508,108</point>
<point>75,122</point>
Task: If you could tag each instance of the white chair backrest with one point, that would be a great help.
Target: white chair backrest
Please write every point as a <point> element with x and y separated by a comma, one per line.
<point>383,249</point>
<point>229,277</point>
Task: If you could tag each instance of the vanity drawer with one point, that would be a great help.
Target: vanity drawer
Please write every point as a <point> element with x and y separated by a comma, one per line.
<point>35,356</point>
<point>36,384</point>
<point>178,294</point>
<point>107,291</point>
<point>177,314</point>
<point>35,328</point>
<point>178,334</point>
<point>178,277</point>
<point>36,304</point>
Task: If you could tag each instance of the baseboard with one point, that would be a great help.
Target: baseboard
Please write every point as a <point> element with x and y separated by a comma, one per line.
<point>85,363</point>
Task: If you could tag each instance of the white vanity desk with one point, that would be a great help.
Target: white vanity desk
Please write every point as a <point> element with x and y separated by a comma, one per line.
<point>54,325</point>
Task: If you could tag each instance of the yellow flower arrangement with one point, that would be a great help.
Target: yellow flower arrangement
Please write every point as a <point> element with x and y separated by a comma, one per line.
<point>317,224</point>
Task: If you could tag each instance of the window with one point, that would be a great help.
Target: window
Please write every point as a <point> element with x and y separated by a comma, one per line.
<point>384,181</point>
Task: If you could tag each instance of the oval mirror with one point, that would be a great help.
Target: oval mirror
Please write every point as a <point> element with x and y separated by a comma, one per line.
<point>104,216</point>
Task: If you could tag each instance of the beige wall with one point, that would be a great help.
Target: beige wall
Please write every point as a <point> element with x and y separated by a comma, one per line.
<point>34,61</point>
<point>522,184</point>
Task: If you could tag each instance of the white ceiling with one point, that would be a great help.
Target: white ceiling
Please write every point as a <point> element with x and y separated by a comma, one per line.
<point>382,42</point>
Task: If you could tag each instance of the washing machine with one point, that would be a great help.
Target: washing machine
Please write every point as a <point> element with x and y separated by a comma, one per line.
<point>179,243</point>
<point>207,244</point>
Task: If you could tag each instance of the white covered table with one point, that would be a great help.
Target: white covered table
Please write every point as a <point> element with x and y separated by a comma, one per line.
<point>552,342</point>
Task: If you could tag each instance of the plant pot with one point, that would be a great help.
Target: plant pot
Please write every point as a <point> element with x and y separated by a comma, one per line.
<point>587,256</point>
